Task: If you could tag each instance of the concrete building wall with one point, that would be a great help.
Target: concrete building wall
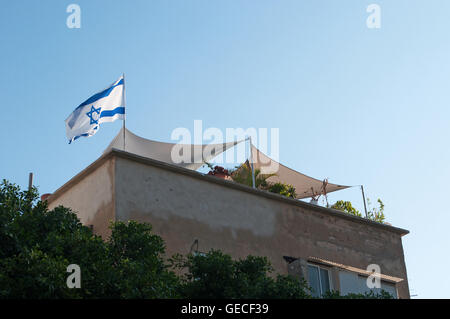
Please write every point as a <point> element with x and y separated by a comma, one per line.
<point>353,283</point>
<point>186,206</point>
<point>91,195</point>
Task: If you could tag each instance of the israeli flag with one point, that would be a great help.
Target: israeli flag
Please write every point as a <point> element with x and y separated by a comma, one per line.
<point>105,106</point>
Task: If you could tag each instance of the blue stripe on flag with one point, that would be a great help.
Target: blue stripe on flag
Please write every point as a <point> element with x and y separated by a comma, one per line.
<point>82,135</point>
<point>110,113</point>
<point>100,95</point>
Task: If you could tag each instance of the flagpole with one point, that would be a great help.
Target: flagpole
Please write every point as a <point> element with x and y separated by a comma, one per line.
<point>125,113</point>
<point>251,162</point>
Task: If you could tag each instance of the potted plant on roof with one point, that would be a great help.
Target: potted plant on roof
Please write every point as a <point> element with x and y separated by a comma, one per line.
<point>218,171</point>
<point>243,175</point>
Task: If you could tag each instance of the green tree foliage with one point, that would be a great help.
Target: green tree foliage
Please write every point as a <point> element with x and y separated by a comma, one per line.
<point>243,175</point>
<point>217,275</point>
<point>137,259</point>
<point>383,294</point>
<point>347,207</point>
<point>376,214</point>
<point>37,245</point>
<point>373,213</point>
<point>282,189</point>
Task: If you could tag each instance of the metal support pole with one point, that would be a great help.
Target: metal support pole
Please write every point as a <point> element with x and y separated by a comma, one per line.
<point>251,163</point>
<point>125,115</point>
<point>30,181</point>
<point>364,200</point>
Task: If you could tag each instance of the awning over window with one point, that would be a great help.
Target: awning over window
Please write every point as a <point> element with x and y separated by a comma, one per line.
<point>359,271</point>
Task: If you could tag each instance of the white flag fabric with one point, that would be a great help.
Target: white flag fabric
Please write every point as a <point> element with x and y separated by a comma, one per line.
<point>105,106</point>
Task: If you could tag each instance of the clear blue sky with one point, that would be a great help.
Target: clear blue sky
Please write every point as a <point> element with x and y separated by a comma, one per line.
<point>357,105</point>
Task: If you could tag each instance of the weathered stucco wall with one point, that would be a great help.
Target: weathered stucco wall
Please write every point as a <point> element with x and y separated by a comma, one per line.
<point>183,207</point>
<point>91,195</point>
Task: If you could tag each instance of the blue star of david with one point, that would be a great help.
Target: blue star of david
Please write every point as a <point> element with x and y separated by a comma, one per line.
<point>90,114</point>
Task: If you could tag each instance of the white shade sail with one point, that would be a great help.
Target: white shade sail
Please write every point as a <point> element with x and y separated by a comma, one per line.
<point>196,155</point>
<point>305,186</point>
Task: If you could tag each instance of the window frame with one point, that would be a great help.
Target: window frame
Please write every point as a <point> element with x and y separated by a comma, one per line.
<point>328,270</point>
